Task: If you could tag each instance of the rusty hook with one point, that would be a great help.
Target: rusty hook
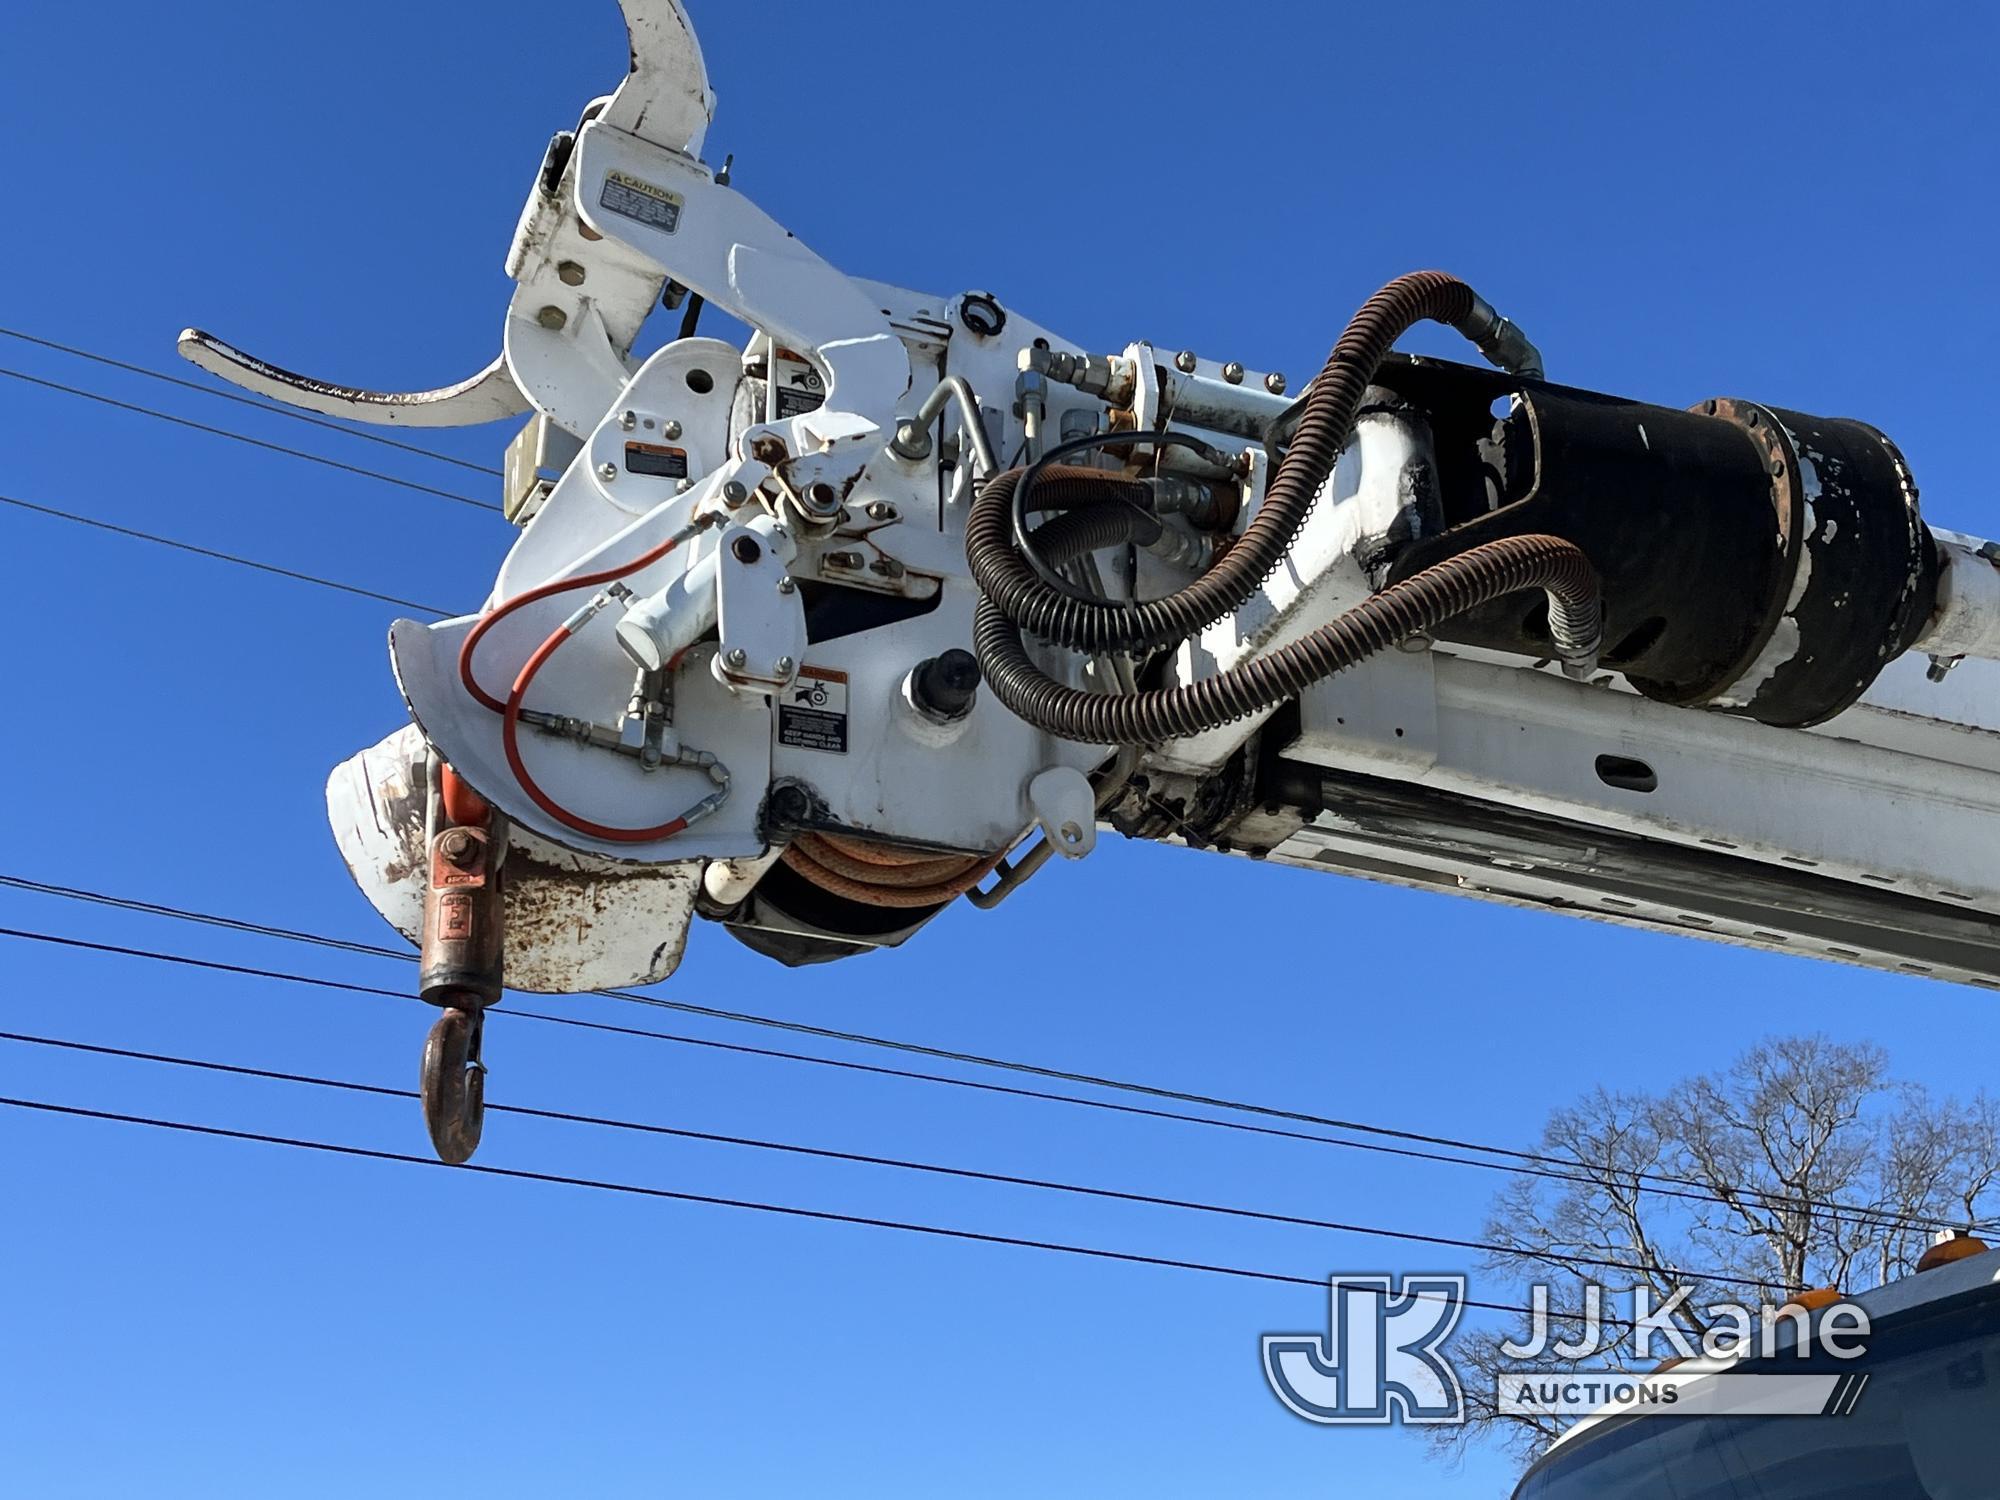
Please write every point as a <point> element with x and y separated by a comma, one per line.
<point>454,1083</point>
<point>462,958</point>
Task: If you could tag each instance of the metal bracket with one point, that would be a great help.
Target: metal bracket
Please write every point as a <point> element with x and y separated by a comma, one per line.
<point>1065,806</point>
<point>761,620</point>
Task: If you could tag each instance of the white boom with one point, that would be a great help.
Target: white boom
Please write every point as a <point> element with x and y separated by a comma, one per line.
<point>789,640</point>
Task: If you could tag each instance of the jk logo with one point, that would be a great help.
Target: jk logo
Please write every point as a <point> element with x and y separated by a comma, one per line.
<point>1378,1360</point>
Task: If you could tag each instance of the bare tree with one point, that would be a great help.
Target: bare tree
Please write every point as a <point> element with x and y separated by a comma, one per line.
<point>1802,1164</point>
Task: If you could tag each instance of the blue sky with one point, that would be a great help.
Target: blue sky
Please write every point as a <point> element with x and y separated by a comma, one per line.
<point>1786,203</point>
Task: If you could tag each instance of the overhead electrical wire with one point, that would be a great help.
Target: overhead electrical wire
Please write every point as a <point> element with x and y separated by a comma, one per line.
<point>268,407</point>
<point>244,437</point>
<point>788,1210</point>
<point>228,557</point>
<point>861,1158</point>
<point>679,1038</point>
<point>1540,1166</point>
<point>1561,1169</point>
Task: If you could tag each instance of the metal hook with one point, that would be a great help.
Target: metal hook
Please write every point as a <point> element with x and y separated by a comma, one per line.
<point>454,1084</point>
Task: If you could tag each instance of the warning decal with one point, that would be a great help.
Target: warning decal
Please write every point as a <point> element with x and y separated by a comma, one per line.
<point>812,713</point>
<point>796,387</point>
<point>657,460</point>
<point>791,403</point>
<point>637,199</point>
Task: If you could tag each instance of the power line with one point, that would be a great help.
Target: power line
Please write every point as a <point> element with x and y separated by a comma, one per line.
<point>1565,1169</point>
<point>687,1007</point>
<point>855,1038</point>
<point>228,557</point>
<point>1539,1166</point>
<point>254,442</point>
<point>822,1215</point>
<point>739,1048</point>
<point>1576,1172</point>
<point>860,1158</point>
<point>241,400</point>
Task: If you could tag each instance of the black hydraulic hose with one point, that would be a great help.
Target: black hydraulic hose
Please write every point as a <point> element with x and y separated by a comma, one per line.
<point>1075,492</point>
<point>1012,588</point>
<point>1417,604</point>
<point>1106,518</point>
<point>1023,488</point>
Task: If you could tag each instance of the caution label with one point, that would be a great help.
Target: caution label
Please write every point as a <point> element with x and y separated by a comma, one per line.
<point>812,714</point>
<point>656,459</point>
<point>637,199</point>
<point>796,387</point>
<point>791,403</point>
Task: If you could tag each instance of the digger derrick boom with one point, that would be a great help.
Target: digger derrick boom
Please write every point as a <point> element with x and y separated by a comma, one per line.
<point>909,596</point>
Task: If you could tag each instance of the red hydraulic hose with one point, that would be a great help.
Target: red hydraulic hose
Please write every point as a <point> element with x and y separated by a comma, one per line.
<point>510,740</point>
<point>548,591</point>
<point>510,709</point>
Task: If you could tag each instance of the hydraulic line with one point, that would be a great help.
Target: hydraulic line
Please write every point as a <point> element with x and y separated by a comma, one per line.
<point>511,708</point>
<point>863,861</point>
<point>875,875</point>
<point>1096,510</point>
<point>1097,486</point>
<point>1010,583</point>
<point>1416,605</point>
<point>510,741</point>
<point>548,591</point>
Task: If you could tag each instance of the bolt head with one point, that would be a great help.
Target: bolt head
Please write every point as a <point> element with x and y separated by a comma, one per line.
<point>911,441</point>
<point>735,657</point>
<point>1233,373</point>
<point>570,273</point>
<point>787,586</point>
<point>733,492</point>
<point>670,429</point>
<point>607,472</point>
<point>460,847</point>
<point>1185,361</point>
<point>1275,383</point>
<point>682,486</point>
<point>785,665</point>
<point>628,421</point>
<point>881,510</point>
<point>552,318</point>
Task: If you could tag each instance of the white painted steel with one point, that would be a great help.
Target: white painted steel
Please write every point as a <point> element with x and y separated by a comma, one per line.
<point>1967,622</point>
<point>572,922</point>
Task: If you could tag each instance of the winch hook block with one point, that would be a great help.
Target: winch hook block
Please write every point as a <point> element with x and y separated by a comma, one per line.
<point>463,951</point>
